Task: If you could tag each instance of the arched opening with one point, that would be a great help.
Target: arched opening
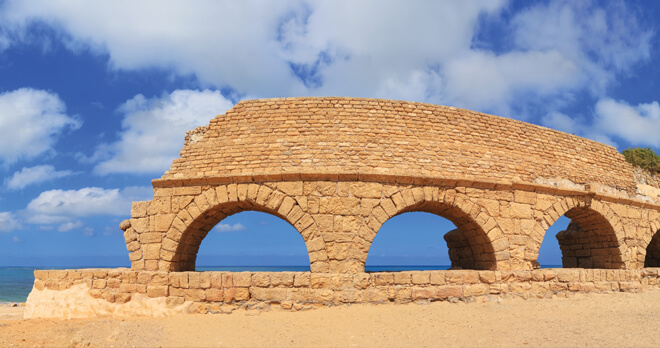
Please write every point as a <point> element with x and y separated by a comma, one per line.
<point>253,241</point>
<point>410,241</point>
<point>468,245</point>
<point>187,249</point>
<point>653,252</point>
<point>550,252</point>
<point>589,241</point>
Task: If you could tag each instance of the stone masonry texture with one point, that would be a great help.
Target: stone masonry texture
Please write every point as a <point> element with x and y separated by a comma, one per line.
<point>223,292</point>
<point>338,168</point>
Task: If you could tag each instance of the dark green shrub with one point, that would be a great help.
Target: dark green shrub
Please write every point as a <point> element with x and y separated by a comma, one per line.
<point>644,158</point>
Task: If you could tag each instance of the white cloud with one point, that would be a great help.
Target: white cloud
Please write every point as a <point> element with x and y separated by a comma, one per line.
<point>9,222</point>
<point>62,207</point>
<point>562,122</point>
<point>154,130</point>
<point>30,123</point>
<point>229,228</point>
<point>88,231</point>
<point>35,175</point>
<point>414,50</point>
<point>71,225</point>
<point>638,125</point>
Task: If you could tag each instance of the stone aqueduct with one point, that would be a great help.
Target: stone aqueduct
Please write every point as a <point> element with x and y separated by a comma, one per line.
<point>338,168</point>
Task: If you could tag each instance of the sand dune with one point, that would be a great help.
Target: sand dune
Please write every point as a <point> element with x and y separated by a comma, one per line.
<point>620,319</point>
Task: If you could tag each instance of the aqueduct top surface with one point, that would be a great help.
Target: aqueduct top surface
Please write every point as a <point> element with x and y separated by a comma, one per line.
<point>338,168</point>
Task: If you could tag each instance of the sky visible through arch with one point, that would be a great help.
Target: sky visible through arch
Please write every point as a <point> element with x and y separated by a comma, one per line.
<point>95,97</point>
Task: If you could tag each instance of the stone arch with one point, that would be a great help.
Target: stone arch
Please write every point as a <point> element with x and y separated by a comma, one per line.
<point>593,238</point>
<point>197,218</point>
<point>478,242</point>
<point>652,242</point>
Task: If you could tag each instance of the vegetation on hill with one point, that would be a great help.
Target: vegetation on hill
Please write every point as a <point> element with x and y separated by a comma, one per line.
<point>644,158</point>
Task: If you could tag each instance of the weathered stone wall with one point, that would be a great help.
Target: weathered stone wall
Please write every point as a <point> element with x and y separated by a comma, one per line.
<point>121,292</point>
<point>499,226</point>
<point>384,137</point>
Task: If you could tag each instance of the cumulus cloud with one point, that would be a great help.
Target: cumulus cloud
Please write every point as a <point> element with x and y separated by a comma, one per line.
<point>229,228</point>
<point>30,123</point>
<point>154,130</point>
<point>9,222</point>
<point>35,175</point>
<point>638,125</point>
<point>415,50</point>
<point>71,225</point>
<point>62,207</point>
<point>613,121</point>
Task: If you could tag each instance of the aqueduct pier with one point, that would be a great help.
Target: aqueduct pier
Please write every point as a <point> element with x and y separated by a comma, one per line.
<point>338,168</point>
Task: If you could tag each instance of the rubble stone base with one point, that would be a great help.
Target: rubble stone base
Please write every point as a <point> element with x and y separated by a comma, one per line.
<point>121,292</point>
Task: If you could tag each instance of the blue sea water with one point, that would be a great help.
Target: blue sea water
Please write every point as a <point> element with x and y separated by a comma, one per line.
<point>16,282</point>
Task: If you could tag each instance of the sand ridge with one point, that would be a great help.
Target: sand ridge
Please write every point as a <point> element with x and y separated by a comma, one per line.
<point>603,320</point>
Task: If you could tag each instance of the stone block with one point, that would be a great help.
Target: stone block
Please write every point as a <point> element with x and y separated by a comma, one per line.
<point>99,284</point>
<point>195,294</point>
<point>242,279</point>
<point>268,294</point>
<point>447,291</point>
<point>383,279</point>
<point>302,279</point>
<point>157,290</point>
<point>462,277</point>
<point>261,280</point>
<point>214,295</point>
<point>139,209</point>
<point>237,294</point>
<point>437,277</point>
<point>320,281</point>
<point>282,279</point>
<point>402,278</point>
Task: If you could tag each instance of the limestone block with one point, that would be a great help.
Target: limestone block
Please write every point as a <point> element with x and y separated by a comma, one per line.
<point>366,189</point>
<point>447,291</point>
<point>302,279</point>
<point>197,295</point>
<point>320,281</point>
<point>521,211</point>
<point>242,279</point>
<point>236,294</point>
<point>427,293</point>
<point>282,279</point>
<point>462,277</point>
<point>187,190</point>
<point>139,209</point>
<point>151,251</point>
<point>268,294</point>
<point>437,277</point>
<point>214,295</point>
<point>216,280</point>
<point>160,205</point>
<point>291,188</point>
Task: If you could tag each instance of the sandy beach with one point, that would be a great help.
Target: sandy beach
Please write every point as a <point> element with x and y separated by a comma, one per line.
<point>602,320</point>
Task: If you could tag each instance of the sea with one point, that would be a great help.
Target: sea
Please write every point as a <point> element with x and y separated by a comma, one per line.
<point>16,282</point>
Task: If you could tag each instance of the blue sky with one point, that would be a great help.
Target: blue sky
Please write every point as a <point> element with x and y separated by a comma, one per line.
<point>89,90</point>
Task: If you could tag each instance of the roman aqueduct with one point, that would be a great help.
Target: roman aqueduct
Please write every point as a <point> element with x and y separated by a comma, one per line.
<point>338,168</point>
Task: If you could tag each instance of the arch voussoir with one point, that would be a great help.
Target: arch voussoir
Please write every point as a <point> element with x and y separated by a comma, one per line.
<point>193,221</point>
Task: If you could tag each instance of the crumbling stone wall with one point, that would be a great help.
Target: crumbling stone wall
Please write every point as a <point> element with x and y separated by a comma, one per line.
<point>498,226</point>
<point>376,136</point>
<point>337,168</point>
<point>103,292</point>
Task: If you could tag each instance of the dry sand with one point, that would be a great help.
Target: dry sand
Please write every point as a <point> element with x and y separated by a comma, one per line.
<point>597,320</point>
